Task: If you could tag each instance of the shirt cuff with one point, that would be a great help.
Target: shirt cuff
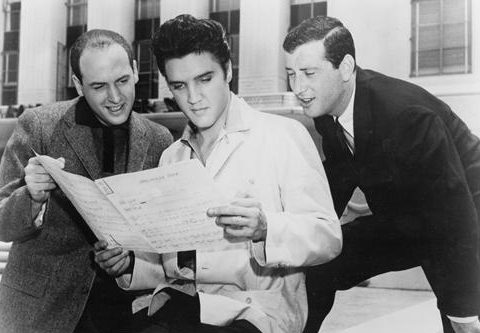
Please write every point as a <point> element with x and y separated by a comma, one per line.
<point>463,320</point>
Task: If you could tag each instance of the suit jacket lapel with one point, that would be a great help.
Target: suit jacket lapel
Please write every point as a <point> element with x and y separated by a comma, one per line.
<point>81,140</point>
<point>362,117</point>
<point>138,144</point>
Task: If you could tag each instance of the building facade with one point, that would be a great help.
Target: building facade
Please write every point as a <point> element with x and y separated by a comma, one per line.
<point>433,43</point>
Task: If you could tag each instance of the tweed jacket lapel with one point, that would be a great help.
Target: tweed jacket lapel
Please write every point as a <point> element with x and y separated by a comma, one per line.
<point>139,144</point>
<point>81,140</point>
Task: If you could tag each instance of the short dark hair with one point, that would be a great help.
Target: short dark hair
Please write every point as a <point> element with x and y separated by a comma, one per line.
<point>96,39</point>
<point>186,34</point>
<point>337,40</point>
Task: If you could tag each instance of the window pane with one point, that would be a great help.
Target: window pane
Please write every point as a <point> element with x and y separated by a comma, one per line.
<point>12,61</point>
<point>429,38</point>
<point>235,48</point>
<point>429,62</point>
<point>430,12</point>
<point>148,9</point>
<point>14,21</point>
<point>454,11</point>
<point>225,5</point>
<point>454,60</point>
<point>454,35</point>
<point>320,8</point>
<point>298,13</point>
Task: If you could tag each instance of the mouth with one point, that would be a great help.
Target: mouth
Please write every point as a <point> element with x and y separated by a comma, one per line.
<point>195,110</point>
<point>306,102</point>
<point>115,108</point>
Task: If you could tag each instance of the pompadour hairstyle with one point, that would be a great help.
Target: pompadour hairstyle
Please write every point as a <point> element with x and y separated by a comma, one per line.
<point>337,40</point>
<point>186,34</point>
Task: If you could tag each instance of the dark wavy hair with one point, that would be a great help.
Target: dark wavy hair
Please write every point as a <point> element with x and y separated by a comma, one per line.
<point>337,40</point>
<point>186,34</point>
<point>96,39</point>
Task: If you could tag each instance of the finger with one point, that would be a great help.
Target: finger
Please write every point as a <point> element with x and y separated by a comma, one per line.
<point>105,255</point>
<point>237,235</point>
<point>229,210</point>
<point>245,202</point>
<point>38,178</point>
<point>110,263</point>
<point>234,221</point>
<point>100,245</point>
<point>61,162</point>
<point>120,266</point>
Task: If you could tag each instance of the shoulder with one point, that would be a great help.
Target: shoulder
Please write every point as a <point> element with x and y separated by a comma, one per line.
<point>156,130</point>
<point>48,113</point>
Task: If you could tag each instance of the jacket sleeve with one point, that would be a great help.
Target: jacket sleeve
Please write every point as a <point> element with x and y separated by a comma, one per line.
<point>307,231</point>
<point>438,186</point>
<point>16,212</point>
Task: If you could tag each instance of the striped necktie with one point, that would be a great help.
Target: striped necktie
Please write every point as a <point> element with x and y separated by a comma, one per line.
<point>347,137</point>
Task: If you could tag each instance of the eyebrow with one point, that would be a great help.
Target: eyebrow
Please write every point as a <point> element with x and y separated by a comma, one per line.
<point>195,78</point>
<point>101,82</point>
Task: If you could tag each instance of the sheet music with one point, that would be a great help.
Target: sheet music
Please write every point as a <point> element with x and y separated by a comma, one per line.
<point>168,205</point>
<point>99,213</point>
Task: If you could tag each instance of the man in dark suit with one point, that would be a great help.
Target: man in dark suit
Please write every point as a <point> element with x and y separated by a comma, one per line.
<point>416,162</point>
<point>51,283</point>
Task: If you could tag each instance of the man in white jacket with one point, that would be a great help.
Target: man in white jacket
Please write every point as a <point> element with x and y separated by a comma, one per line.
<point>280,215</point>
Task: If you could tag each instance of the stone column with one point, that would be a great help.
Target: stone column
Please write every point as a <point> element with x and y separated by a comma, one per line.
<point>118,16</point>
<point>263,25</point>
<point>42,27</point>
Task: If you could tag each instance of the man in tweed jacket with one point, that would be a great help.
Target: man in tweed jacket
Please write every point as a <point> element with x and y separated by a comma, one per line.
<point>51,283</point>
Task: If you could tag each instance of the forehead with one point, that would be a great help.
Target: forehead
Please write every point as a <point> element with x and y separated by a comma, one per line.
<point>105,63</point>
<point>306,55</point>
<point>191,66</point>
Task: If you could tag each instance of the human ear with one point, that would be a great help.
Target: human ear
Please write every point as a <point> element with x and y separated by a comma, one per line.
<point>78,85</point>
<point>347,67</point>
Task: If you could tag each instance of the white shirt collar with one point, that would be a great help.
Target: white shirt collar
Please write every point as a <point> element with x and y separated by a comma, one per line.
<point>346,118</point>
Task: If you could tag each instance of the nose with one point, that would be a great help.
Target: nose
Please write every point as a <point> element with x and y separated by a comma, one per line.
<point>297,84</point>
<point>194,95</point>
<point>114,95</point>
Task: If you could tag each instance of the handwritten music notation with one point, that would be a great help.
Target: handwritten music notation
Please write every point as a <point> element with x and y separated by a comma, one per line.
<point>156,210</point>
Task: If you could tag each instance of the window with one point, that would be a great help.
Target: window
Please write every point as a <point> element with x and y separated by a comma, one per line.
<point>147,86</point>
<point>148,9</point>
<point>146,23</point>
<point>77,12</point>
<point>441,37</point>
<point>303,9</point>
<point>227,12</point>
<point>10,68</point>
<point>12,15</point>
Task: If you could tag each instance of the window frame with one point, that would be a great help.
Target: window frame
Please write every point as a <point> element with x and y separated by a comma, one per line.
<point>441,68</point>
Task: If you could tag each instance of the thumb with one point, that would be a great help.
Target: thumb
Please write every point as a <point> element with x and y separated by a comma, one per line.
<point>61,162</point>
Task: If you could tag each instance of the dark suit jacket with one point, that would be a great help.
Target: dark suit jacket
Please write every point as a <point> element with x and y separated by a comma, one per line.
<point>414,156</point>
<point>49,272</point>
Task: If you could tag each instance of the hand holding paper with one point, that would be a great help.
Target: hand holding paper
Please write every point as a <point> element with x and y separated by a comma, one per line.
<point>39,182</point>
<point>156,210</point>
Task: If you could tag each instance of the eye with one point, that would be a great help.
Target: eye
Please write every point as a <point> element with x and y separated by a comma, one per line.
<point>290,74</point>
<point>97,86</point>
<point>177,86</point>
<point>310,73</point>
<point>124,80</point>
<point>206,78</point>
